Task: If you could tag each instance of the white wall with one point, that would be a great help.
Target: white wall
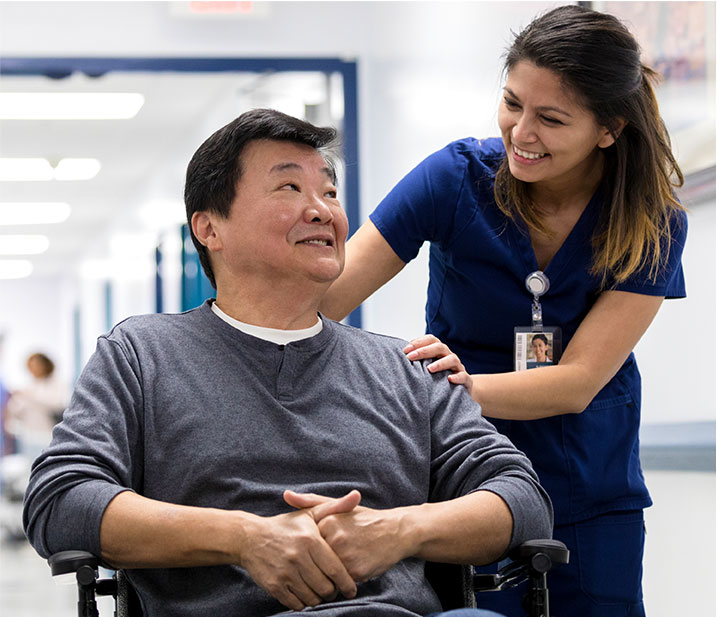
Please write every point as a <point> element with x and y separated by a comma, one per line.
<point>35,316</point>
<point>677,354</point>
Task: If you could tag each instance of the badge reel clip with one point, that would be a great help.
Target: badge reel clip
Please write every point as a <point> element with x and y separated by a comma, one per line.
<point>536,345</point>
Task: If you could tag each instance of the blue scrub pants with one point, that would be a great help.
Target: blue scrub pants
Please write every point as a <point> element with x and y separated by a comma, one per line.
<point>603,578</point>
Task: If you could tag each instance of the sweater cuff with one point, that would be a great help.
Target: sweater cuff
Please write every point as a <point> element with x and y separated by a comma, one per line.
<point>77,516</point>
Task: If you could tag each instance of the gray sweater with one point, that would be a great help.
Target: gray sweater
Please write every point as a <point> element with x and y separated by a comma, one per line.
<point>186,409</point>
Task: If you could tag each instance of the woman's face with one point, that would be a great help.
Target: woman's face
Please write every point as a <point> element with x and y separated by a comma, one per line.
<point>549,136</point>
<point>539,349</point>
<point>37,368</point>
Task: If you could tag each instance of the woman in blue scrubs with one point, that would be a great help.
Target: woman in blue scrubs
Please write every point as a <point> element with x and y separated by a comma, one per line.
<point>578,196</point>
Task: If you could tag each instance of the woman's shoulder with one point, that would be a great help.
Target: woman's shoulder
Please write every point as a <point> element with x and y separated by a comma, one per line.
<point>488,150</point>
<point>476,157</point>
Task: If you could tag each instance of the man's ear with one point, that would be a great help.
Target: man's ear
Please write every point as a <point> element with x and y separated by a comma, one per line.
<point>611,135</point>
<point>204,231</point>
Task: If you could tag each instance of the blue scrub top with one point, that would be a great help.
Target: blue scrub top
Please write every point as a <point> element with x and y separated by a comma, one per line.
<point>479,259</point>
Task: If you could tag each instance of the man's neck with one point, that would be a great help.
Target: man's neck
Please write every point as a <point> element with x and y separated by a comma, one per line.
<point>270,309</point>
<point>279,337</point>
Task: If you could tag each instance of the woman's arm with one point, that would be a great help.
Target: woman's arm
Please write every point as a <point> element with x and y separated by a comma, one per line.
<point>370,263</point>
<point>596,352</point>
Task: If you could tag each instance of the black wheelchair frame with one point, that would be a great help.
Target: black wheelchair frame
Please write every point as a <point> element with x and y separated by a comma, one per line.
<point>454,584</point>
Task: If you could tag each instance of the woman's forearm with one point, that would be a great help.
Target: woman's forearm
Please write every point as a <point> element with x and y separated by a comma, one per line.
<point>536,393</point>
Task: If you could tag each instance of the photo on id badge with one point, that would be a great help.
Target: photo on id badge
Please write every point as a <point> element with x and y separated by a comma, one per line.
<point>536,348</point>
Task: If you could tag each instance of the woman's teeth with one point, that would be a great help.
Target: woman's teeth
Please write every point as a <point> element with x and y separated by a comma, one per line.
<point>528,155</point>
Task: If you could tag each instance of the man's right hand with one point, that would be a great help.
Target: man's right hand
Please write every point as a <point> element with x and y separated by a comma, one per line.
<point>288,558</point>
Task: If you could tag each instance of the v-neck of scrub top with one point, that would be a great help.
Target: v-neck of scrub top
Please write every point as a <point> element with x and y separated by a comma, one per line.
<point>579,235</point>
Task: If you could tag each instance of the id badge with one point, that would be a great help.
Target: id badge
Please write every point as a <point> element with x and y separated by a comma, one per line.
<point>534,348</point>
<point>536,345</point>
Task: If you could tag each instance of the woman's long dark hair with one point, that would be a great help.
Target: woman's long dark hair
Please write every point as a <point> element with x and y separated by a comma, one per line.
<point>598,59</point>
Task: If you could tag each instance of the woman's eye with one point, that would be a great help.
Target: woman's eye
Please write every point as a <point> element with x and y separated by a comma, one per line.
<point>550,120</point>
<point>511,104</point>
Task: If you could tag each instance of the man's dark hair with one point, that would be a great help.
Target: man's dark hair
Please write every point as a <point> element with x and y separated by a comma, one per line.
<point>216,167</point>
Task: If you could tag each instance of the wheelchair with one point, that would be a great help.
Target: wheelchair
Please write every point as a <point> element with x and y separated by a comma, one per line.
<point>454,584</point>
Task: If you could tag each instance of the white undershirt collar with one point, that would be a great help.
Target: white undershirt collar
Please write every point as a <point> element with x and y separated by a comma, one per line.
<point>280,337</point>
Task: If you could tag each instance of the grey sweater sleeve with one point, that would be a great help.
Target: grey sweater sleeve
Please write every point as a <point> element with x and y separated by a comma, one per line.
<point>95,454</point>
<point>468,454</point>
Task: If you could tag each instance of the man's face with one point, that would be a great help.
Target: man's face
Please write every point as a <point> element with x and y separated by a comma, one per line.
<point>285,222</point>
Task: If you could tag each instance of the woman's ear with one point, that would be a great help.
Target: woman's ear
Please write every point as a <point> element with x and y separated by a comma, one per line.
<point>612,133</point>
<point>204,231</point>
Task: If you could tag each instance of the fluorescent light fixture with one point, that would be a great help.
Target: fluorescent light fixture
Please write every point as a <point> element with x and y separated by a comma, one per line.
<point>33,213</point>
<point>77,169</point>
<point>25,170</point>
<point>69,105</point>
<point>23,244</point>
<point>39,170</point>
<point>117,269</point>
<point>15,268</point>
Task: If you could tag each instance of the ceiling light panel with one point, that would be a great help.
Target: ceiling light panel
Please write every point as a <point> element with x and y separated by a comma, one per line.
<point>33,213</point>
<point>69,105</point>
<point>77,169</point>
<point>25,170</point>
<point>23,244</point>
<point>40,170</point>
<point>15,268</point>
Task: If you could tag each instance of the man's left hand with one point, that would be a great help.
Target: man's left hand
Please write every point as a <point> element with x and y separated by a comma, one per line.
<point>367,541</point>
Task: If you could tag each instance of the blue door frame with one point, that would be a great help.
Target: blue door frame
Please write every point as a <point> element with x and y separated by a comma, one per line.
<point>64,67</point>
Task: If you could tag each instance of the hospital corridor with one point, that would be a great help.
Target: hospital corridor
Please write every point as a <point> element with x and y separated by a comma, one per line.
<point>502,185</point>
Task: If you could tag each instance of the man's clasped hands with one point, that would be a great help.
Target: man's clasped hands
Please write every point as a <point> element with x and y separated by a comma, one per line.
<point>322,549</point>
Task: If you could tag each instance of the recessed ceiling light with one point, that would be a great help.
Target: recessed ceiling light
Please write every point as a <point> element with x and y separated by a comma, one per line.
<point>33,213</point>
<point>40,170</point>
<point>69,105</point>
<point>77,169</point>
<point>23,244</point>
<point>15,268</point>
<point>25,170</point>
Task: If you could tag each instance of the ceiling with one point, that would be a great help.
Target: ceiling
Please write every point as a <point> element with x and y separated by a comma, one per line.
<point>139,187</point>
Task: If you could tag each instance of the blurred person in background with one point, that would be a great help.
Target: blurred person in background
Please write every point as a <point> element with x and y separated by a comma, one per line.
<point>34,410</point>
<point>29,415</point>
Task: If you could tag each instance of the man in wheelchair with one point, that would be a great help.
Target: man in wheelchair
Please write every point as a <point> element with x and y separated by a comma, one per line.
<point>251,456</point>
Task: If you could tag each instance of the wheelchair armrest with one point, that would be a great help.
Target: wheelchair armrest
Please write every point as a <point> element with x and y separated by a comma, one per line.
<point>532,559</point>
<point>85,567</point>
<point>541,554</point>
<point>67,562</point>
